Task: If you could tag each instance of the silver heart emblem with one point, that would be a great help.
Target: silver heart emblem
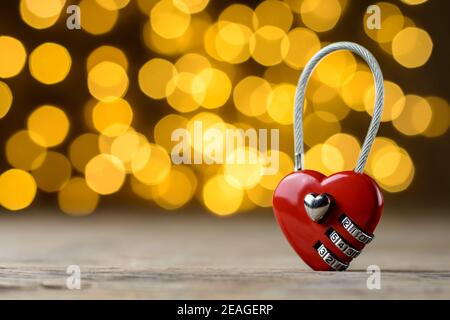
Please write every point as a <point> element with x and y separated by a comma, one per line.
<point>317,205</point>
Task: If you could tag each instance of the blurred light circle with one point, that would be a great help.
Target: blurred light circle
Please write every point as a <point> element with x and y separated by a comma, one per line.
<point>232,42</point>
<point>319,126</point>
<point>154,76</point>
<point>251,96</point>
<point>6,99</point>
<point>192,62</point>
<point>207,120</point>
<point>166,46</point>
<point>243,168</point>
<point>76,198</point>
<point>220,197</point>
<point>50,63</point>
<point>155,169</point>
<point>394,101</point>
<point>107,80</point>
<point>335,69</point>
<point>354,90</point>
<point>269,45</point>
<point>112,118</point>
<point>391,22</point>
<point>82,150</point>
<point>415,116</point>
<point>12,56</point>
<point>169,20</point>
<point>17,189</point>
<point>146,5</point>
<point>412,47</point>
<point>142,190</point>
<point>37,21</point>
<point>260,196</point>
<point>414,2</point>
<point>238,13</point>
<point>45,8</point>
<point>281,102</point>
<point>320,15</point>
<point>107,53</point>
<point>273,13</point>
<point>96,19</point>
<point>394,169</point>
<point>177,189</point>
<point>281,73</point>
<point>127,147</point>
<point>332,158</point>
<point>179,91</point>
<point>380,146</point>
<point>440,120</point>
<point>283,165</point>
<point>314,160</point>
<point>164,129</point>
<point>327,99</point>
<point>348,147</point>
<point>53,173</point>
<point>211,88</point>
<point>48,126</point>
<point>23,153</point>
<point>105,174</point>
<point>192,6</point>
<point>303,44</point>
<point>113,4</point>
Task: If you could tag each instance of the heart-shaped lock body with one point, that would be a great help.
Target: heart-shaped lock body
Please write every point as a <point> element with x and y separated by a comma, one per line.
<point>332,242</point>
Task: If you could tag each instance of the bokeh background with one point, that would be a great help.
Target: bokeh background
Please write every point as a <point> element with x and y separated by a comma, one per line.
<point>86,115</point>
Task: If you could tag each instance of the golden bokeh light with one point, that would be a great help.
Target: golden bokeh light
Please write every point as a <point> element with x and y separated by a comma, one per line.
<point>269,45</point>
<point>211,88</point>
<point>127,147</point>
<point>319,126</point>
<point>283,162</point>
<point>348,147</point>
<point>179,91</point>
<point>415,116</point>
<point>414,2</point>
<point>164,129</point>
<point>252,95</point>
<point>260,196</point>
<point>328,99</point>
<point>303,44</point>
<point>41,14</point>
<point>105,174</point>
<point>82,150</point>
<point>232,42</point>
<point>273,13</point>
<point>107,80</point>
<point>324,158</point>
<point>96,19</point>
<point>17,189</point>
<point>50,63</point>
<point>238,13</point>
<point>12,56</point>
<point>113,4</point>
<point>170,20</point>
<point>76,198</point>
<point>320,15</point>
<point>394,101</point>
<point>112,117</point>
<point>192,6</point>
<point>6,99</point>
<point>243,168</point>
<point>281,103</point>
<point>354,90</point>
<point>154,77</point>
<point>177,189</point>
<point>220,197</point>
<point>48,126</point>
<point>107,53</point>
<point>53,173</point>
<point>412,47</point>
<point>153,164</point>
<point>335,69</point>
<point>23,153</point>
<point>391,22</point>
<point>440,120</point>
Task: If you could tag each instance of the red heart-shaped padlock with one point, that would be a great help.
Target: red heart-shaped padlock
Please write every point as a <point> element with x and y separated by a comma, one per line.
<point>346,227</point>
<point>329,220</point>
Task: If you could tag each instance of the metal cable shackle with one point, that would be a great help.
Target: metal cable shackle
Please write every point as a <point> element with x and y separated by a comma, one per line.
<point>300,99</point>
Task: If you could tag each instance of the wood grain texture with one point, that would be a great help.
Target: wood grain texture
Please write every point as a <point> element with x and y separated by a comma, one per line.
<point>197,256</point>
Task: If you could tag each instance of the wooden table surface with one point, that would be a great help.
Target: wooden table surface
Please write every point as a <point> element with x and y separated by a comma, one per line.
<point>197,256</point>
